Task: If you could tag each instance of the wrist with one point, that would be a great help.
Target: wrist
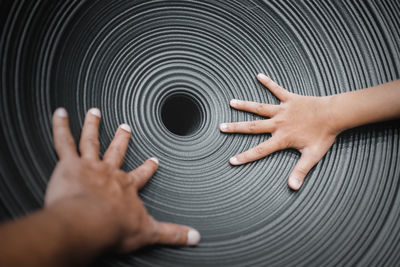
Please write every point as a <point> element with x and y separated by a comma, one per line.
<point>86,226</point>
<point>334,116</point>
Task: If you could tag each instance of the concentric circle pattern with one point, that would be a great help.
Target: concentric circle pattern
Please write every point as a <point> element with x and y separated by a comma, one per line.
<point>127,57</point>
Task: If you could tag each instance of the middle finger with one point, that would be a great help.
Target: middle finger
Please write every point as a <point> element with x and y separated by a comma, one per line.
<point>89,145</point>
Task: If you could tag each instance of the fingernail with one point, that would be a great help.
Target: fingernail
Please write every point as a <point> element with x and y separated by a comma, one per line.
<point>235,102</point>
<point>223,127</point>
<point>193,237</point>
<point>61,112</point>
<point>95,111</point>
<point>262,76</point>
<point>294,183</point>
<point>125,127</point>
<point>155,160</point>
<point>234,161</point>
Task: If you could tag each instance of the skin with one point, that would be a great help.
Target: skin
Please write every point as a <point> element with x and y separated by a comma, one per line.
<point>310,124</point>
<point>91,205</point>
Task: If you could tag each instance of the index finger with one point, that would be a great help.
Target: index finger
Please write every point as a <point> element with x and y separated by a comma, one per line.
<point>275,88</point>
<point>63,140</point>
<point>89,145</point>
<point>266,110</point>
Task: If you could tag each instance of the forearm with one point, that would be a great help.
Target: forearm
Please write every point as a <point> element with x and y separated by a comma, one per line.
<point>55,236</point>
<point>374,104</point>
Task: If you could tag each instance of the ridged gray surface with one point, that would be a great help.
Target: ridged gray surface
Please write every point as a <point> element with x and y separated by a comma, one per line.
<point>126,57</point>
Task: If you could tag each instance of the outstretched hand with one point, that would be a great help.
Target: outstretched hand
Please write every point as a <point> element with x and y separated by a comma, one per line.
<point>300,122</point>
<point>105,192</point>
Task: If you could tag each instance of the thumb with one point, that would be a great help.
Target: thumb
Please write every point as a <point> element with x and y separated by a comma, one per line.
<point>174,234</point>
<point>300,171</point>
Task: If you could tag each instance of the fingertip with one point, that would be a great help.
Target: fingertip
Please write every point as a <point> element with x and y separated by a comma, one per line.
<point>155,160</point>
<point>294,183</point>
<point>95,111</point>
<point>234,102</point>
<point>234,161</point>
<point>61,112</point>
<point>193,237</point>
<point>125,127</point>
<point>223,127</point>
<point>262,76</point>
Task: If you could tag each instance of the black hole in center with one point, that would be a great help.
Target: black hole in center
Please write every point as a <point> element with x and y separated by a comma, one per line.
<point>181,114</point>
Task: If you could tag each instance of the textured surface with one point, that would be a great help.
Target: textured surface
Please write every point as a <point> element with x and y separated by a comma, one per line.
<point>127,57</point>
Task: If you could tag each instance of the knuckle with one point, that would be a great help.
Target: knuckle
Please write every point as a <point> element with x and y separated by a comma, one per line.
<point>182,236</point>
<point>124,182</point>
<point>92,140</point>
<point>115,188</point>
<point>58,122</point>
<point>116,150</point>
<point>259,150</point>
<point>271,125</point>
<point>91,122</point>
<point>175,236</point>
<point>249,126</point>
<point>155,231</point>
<point>252,126</point>
<point>259,108</point>
<point>95,165</point>
<point>279,121</point>
<point>146,170</point>
<point>69,141</point>
<point>154,235</point>
<point>281,107</point>
<point>275,86</point>
<point>282,142</point>
<point>314,154</point>
<point>302,170</point>
<point>235,126</point>
<point>135,180</point>
<point>133,175</point>
<point>122,134</point>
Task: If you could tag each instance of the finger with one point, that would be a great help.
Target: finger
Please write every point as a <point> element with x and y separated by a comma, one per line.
<point>144,172</point>
<point>115,153</point>
<point>249,127</point>
<point>261,109</point>
<point>89,145</point>
<point>257,152</point>
<point>306,162</point>
<point>63,140</point>
<point>174,234</point>
<point>277,90</point>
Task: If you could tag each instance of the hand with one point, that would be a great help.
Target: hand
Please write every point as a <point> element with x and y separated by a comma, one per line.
<point>300,122</point>
<point>103,194</point>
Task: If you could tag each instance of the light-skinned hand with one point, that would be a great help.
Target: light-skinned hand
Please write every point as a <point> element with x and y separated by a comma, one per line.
<point>300,122</point>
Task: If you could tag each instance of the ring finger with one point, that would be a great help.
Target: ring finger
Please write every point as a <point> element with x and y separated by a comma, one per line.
<point>249,127</point>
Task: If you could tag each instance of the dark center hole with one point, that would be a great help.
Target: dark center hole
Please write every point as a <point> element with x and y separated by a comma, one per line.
<point>181,114</point>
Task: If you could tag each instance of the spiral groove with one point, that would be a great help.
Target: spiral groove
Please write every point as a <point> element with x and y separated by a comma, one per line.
<point>128,57</point>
